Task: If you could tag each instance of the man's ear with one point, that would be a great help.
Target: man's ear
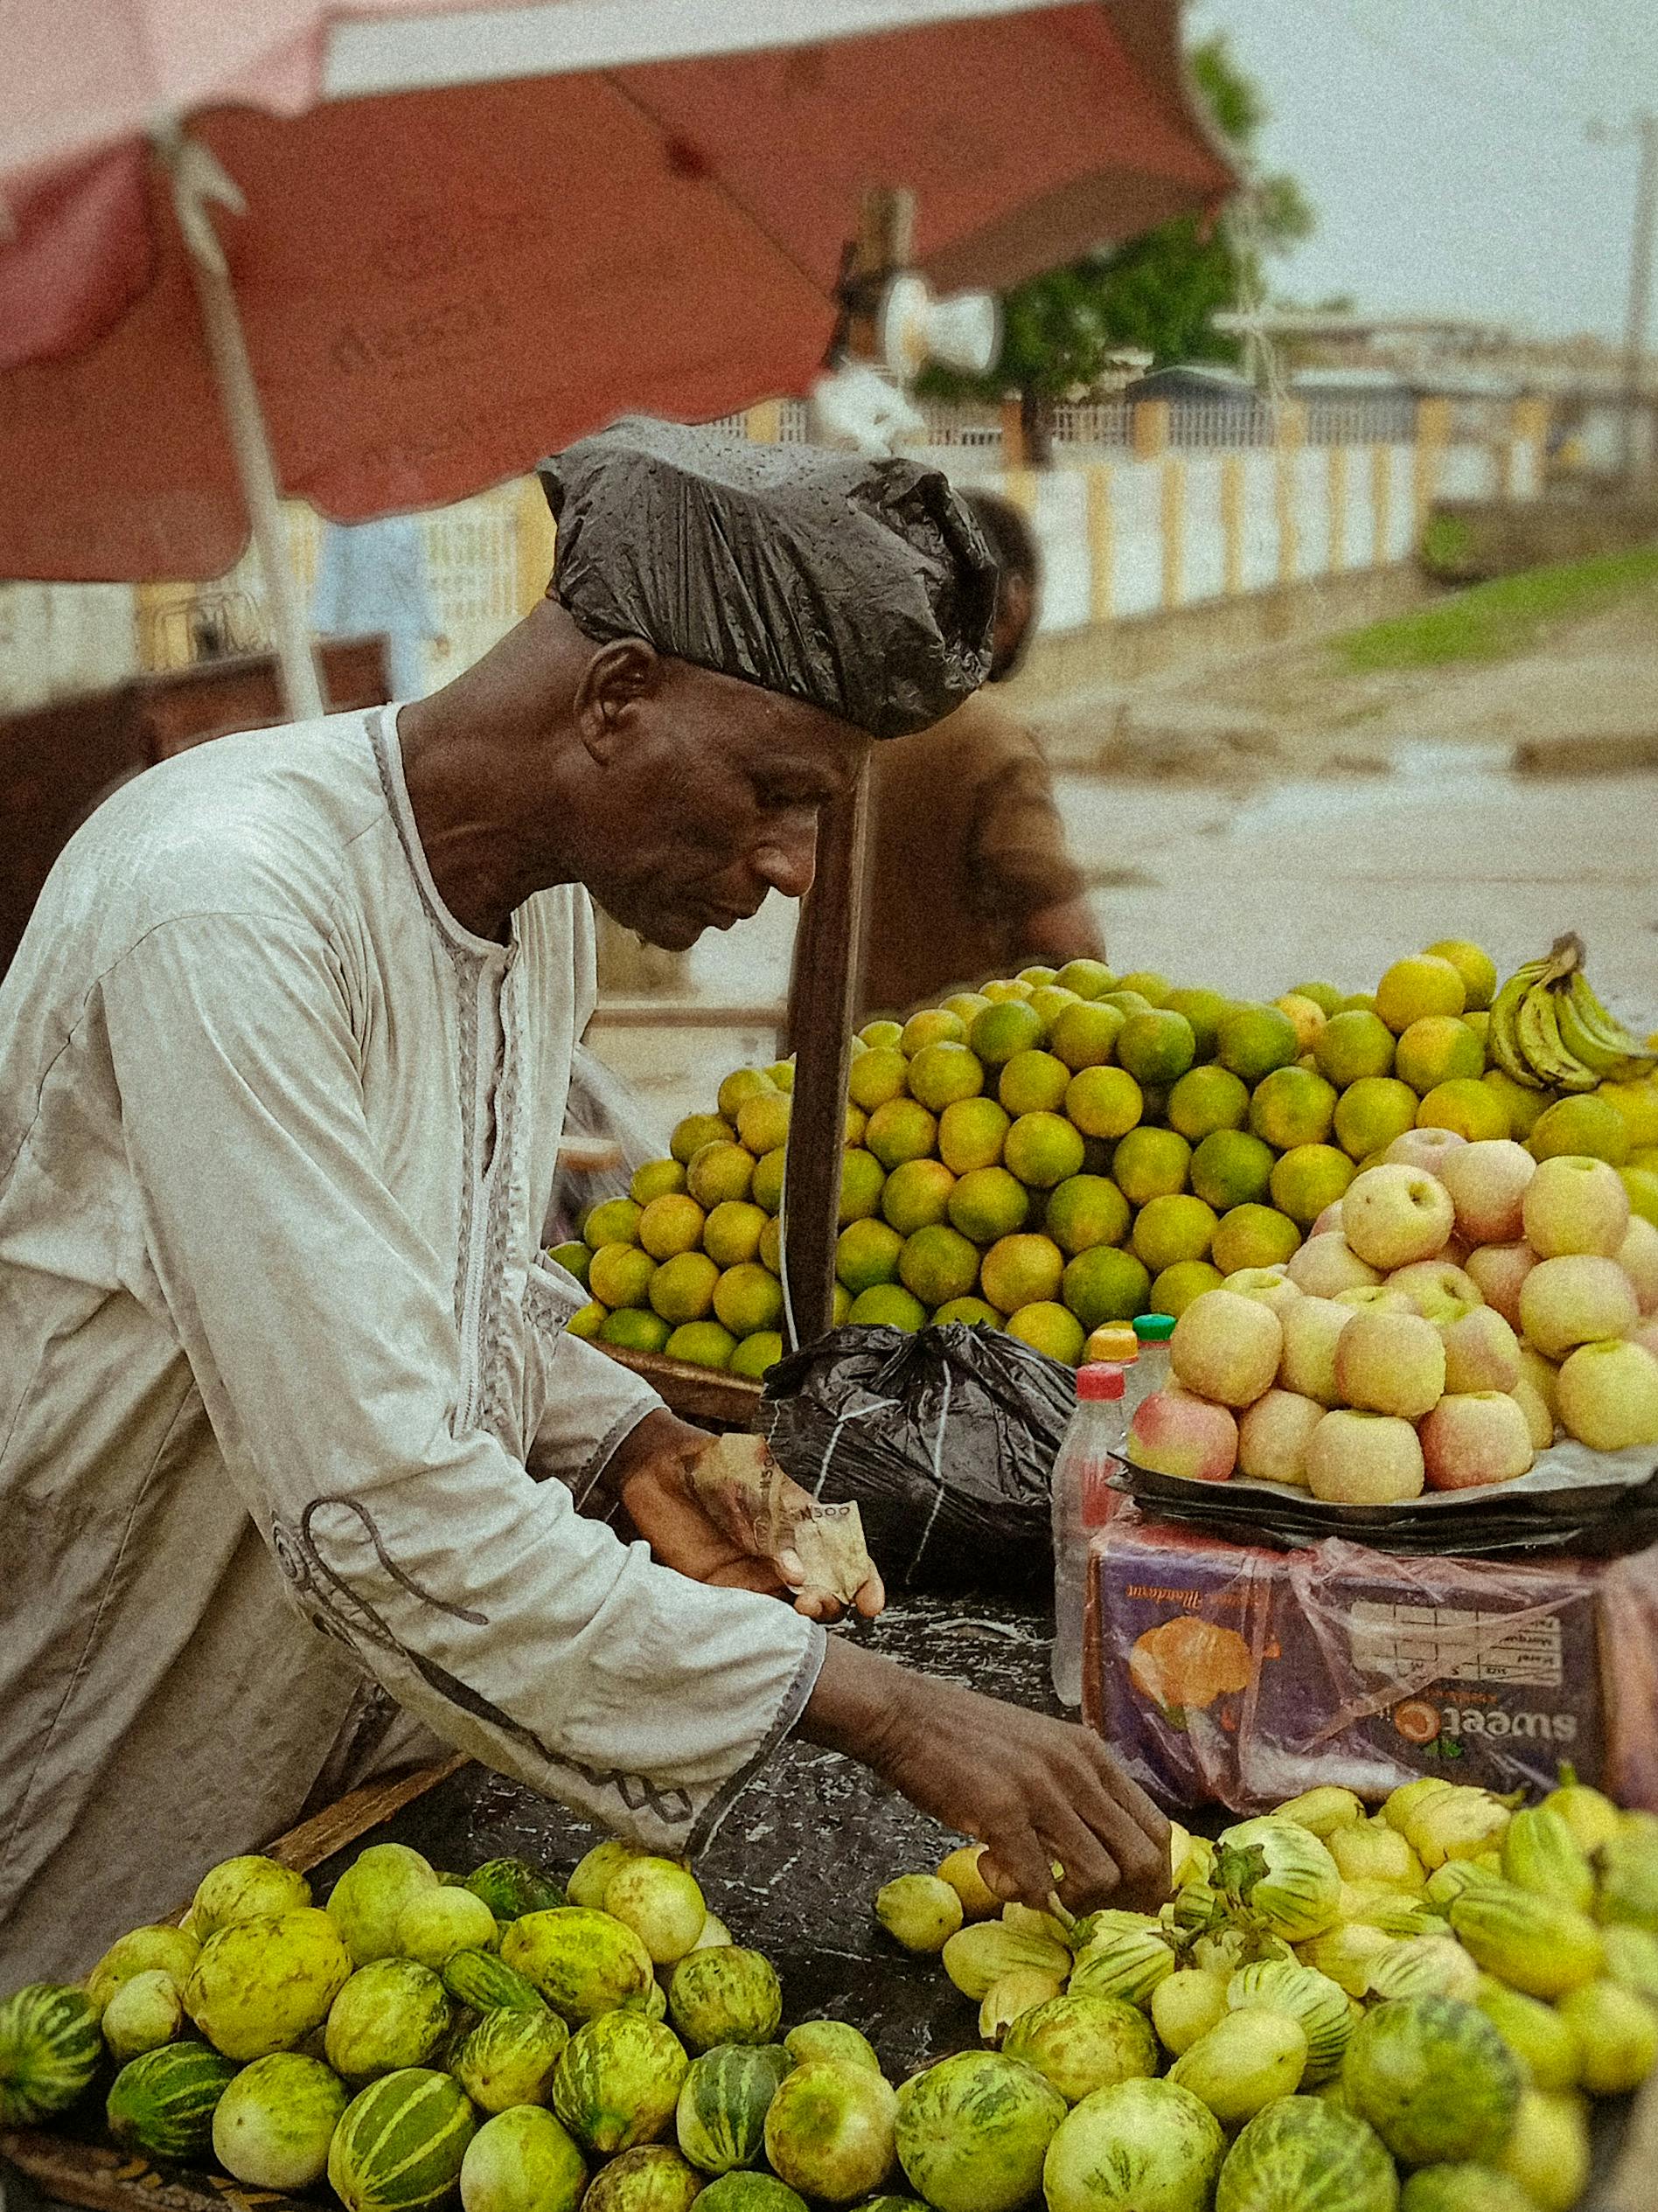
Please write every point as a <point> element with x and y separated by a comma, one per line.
<point>616,679</point>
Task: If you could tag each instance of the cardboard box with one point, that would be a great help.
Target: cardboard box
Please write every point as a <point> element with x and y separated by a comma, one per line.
<point>1227,1672</point>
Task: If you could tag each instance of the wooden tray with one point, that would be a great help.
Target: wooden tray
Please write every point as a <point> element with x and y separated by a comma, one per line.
<point>695,1393</point>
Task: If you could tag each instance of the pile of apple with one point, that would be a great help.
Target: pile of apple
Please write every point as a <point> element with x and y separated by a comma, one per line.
<point>1454,1310</point>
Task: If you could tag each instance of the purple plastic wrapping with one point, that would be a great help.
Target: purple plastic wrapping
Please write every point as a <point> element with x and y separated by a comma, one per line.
<point>1230,1673</point>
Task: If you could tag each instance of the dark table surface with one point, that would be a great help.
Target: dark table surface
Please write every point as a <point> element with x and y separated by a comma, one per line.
<point>795,1866</point>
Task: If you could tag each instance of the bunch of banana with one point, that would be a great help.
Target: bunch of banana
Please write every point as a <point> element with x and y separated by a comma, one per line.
<point>1550,1031</point>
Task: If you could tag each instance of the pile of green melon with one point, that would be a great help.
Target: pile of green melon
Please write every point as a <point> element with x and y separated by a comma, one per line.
<point>1061,1150</point>
<point>1332,2013</point>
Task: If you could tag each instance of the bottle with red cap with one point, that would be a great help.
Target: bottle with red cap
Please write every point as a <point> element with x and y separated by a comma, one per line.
<point>1088,1456</point>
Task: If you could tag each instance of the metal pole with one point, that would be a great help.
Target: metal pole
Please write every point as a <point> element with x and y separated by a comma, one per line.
<point>1639,289</point>
<point>197,178</point>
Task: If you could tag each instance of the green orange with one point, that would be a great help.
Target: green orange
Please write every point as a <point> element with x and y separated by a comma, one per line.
<point>1172,1229</point>
<point>1373,1111</point>
<point>620,1275</point>
<point>867,1253</point>
<point>942,1074</point>
<point>670,1224</point>
<point>1524,1105</point>
<point>970,1310</point>
<point>1004,1029</point>
<point>1041,1150</point>
<point>1020,1271</point>
<point>763,1121</point>
<point>932,1025</point>
<point>902,1130</point>
<point>1086,1210</point>
<point>1467,1106</point>
<point>937,1264</point>
<point>634,1328</point>
<point>1475,966</point>
<point>1437,1049</point>
<point>1088,978</point>
<point>862,1179</point>
<point>574,1258</point>
<point>970,1134</point>
<point>1156,1047</point>
<point>733,1231</point>
<point>1151,1163</point>
<point>1292,1106</point>
<point>1207,1099</point>
<point>1585,1125</point>
<point>1253,1236</point>
<point>742,1084</point>
<point>1325,996</point>
<point>1424,985</point>
<point>701,1344</point>
<point>587,1321</point>
<point>748,1299</point>
<point>988,1203</point>
<point>1176,1287</point>
<point>966,1005</point>
<point>1106,1284</point>
<point>881,1033</point>
<point>1231,1168</point>
<point>1351,1044</point>
<point>655,1179</point>
<point>766,1190</point>
<point>888,1306</point>
<point>756,1353</point>
<point>1103,1102</point>
<point>718,1171</point>
<point>1309,1179</point>
<point>696,1131</point>
<point>877,1075</point>
<point>1084,1035</point>
<point>1152,988</point>
<point>917,1195</point>
<point>1252,1040</point>
<point>1050,1328</point>
<point>1032,1083</point>
<point>1205,1010</point>
<point>614,1220</point>
<point>682,1288</point>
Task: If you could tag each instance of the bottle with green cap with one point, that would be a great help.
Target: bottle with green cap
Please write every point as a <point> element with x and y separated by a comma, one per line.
<point>1150,1369</point>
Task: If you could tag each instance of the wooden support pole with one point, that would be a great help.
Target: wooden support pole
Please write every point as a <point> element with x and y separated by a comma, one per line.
<point>828,964</point>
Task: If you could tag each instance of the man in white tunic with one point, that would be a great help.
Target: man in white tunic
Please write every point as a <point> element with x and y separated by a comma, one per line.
<point>290,1436</point>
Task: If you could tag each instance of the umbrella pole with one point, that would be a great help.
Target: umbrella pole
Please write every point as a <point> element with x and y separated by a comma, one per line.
<point>197,177</point>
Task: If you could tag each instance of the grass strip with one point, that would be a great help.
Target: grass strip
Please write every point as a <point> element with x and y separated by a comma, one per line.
<point>1493,621</point>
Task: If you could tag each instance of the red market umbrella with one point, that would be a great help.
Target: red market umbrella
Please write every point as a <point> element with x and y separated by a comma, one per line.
<point>436,285</point>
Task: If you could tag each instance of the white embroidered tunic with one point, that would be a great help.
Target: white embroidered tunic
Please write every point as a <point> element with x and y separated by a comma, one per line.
<point>281,1366</point>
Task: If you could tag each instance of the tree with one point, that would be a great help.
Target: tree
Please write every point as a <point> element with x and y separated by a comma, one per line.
<point>1159,293</point>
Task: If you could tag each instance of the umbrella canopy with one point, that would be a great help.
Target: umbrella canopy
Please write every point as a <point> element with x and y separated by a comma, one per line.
<point>438,285</point>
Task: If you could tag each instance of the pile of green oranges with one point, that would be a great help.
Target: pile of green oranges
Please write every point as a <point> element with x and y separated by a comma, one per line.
<point>1066,1149</point>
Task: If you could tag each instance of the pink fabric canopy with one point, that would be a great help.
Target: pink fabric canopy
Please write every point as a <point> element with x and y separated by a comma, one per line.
<point>438,286</point>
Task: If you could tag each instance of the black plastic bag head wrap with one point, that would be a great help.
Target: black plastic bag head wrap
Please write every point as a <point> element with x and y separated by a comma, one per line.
<point>864,588</point>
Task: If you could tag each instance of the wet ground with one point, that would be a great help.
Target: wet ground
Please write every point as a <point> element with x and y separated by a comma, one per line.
<point>794,1870</point>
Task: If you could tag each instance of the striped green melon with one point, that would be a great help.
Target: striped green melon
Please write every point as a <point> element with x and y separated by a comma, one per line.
<point>1320,2004</point>
<point>400,2143</point>
<point>509,2058</point>
<point>726,1995</point>
<point>974,2129</point>
<point>479,1979</point>
<point>1434,2079</point>
<point>390,2016</point>
<point>651,2179</point>
<point>1532,1943</point>
<point>163,2103</point>
<point>750,2193</point>
<point>619,2081</point>
<point>49,2051</point>
<point>583,1962</point>
<point>1301,2150</point>
<point>513,1887</point>
<point>721,2120</point>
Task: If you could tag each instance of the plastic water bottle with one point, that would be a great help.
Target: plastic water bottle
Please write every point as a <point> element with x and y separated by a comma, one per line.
<point>1151,1370</point>
<point>1082,1497</point>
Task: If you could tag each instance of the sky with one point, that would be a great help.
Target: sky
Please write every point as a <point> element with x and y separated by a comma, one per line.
<point>1443,145</point>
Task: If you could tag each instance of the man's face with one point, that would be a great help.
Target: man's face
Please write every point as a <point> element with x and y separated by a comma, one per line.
<point>707,793</point>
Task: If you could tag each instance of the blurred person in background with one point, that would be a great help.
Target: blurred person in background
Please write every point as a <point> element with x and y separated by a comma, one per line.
<point>969,875</point>
<point>371,582</point>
